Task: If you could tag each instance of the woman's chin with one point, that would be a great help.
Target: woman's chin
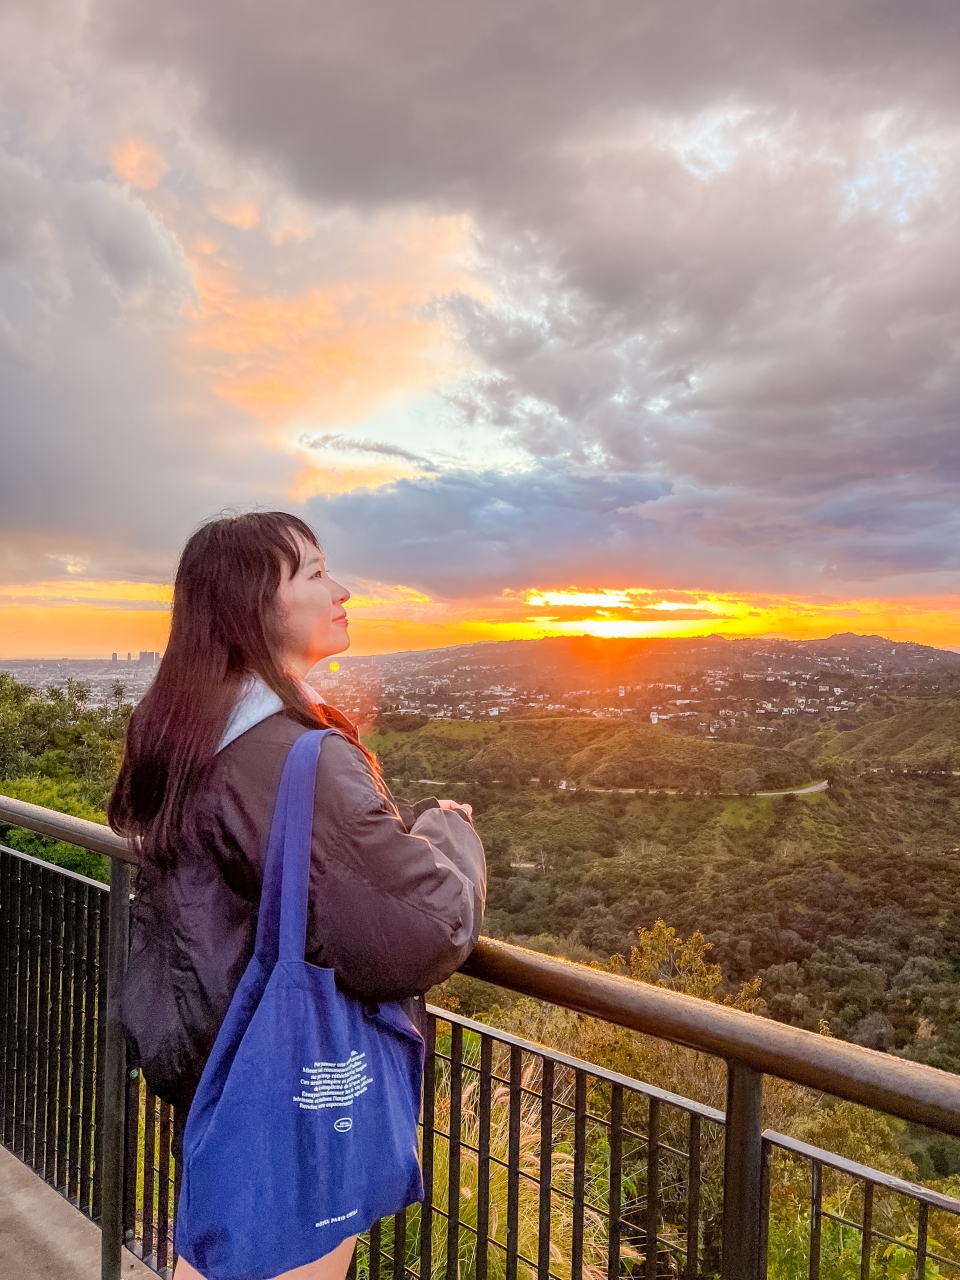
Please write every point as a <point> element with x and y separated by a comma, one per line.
<point>337,643</point>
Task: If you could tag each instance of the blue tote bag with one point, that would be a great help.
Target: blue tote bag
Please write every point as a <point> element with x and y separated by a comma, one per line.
<point>303,1130</point>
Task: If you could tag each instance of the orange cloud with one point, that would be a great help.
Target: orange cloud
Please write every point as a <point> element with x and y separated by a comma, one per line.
<point>314,480</point>
<point>82,618</point>
<point>381,625</point>
<point>139,163</point>
<point>244,214</point>
<point>77,617</point>
<point>331,354</point>
<point>79,631</point>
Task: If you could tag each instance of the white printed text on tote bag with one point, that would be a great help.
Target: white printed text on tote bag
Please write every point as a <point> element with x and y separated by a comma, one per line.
<point>333,1084</point>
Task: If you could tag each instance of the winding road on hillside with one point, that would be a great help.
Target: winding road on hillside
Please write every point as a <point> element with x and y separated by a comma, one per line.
<point>798,791</point>
<point>632,791</point>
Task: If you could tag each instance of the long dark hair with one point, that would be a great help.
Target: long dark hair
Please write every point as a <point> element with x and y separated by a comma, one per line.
<point>225,626</point>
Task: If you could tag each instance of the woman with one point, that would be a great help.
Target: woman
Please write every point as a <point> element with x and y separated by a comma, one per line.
<point>396,891</point>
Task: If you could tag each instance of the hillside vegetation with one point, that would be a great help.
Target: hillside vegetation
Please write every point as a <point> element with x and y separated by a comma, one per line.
<point>926,736</point>
<point>58,751</point>
<point>845,902</point>
<point>587,753</point>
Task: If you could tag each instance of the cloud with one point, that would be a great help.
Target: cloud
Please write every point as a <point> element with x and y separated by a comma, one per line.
<point>138,162</point>
<point>464,533</point>
<point>109,453</point>
<point>719,242</point>
<point>449,103</point>
<point>688,273</point>
<point>345,444</point>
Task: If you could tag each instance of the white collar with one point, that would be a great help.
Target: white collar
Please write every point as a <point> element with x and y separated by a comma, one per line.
<point>257,702</point>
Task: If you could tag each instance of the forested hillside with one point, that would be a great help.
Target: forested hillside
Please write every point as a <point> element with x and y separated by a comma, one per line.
<point>583,752</point>
<point>846,901</point>
<point>924,736</point>
<point>59,751</point>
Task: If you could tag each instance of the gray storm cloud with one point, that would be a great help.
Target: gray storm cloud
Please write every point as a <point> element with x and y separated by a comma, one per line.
<point>464,532</point>
<point>720,245</point>
<point>722,240</point>
<point>110,453</point>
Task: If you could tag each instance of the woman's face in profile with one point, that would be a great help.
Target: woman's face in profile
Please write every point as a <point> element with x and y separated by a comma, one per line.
<point>311,610</point>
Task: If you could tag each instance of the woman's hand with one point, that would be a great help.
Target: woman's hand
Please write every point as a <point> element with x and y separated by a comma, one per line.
<point>453,804</point>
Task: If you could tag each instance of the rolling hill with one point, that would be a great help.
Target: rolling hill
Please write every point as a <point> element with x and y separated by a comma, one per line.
<point>926,736</point>
<point>588,753</point>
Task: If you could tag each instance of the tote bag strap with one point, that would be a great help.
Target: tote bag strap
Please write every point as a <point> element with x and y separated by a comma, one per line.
<point>282,921</point>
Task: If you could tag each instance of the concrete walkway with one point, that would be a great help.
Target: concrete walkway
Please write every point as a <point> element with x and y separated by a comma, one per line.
<point>42,1237</point>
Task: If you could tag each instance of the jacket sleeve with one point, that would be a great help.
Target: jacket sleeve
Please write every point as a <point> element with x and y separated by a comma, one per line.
<point>392,912</point>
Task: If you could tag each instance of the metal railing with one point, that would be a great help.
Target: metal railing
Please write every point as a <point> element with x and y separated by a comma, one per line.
<point>535,1163</point>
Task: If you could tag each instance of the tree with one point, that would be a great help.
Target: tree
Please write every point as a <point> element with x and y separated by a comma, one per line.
<point>745,782</point>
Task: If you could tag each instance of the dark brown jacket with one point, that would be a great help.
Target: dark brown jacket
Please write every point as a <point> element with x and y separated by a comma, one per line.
<point>395,906</point>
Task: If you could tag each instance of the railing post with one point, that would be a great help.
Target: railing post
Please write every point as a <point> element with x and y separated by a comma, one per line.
<point>114,1077</point>
<point>742,1175</point>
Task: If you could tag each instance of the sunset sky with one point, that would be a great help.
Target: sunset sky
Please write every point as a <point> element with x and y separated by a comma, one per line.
<point>553,318</point>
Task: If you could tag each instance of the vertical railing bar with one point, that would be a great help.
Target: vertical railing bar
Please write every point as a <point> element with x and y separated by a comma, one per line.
<point>37,1116</point>
<point>652,1215</point>
<point>766,1158</point>
<point>66,1036</point>
<point>483,1156</point>
<point>33,1013</point>
<point>89,1048</point>
<point>427,1146</point>
<point>399,1244</point>
<point>692,1263</point>
<point>579,1173</point>
<point>177,1179</point>
<point>78,969</point>
<point>741,1173</point>
<point>57,884</point>
<point>112,1076</point>
<point>455,1095</point>
<point>10,914</point>
<point>163,1190</point>
<point>131,1154</point>
<point>513,1163</point>
<point>44,1012</point>
<point>373,1271</point>
<point>23,996</point>
<point>6,955</point>
<point>110,1257</point>
<point>546,1169</point>
<point>616,1181</point>
<point>149,1172</point>
<point>23,1017</point>
<point>816,1221</point>
<point>922,1219</point>
<point>866,1242</point>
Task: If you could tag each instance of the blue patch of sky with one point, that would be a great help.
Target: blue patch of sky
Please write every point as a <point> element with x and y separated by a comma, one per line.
<point>711,144</point>
<point>431,428</point>
<point>892,183</point>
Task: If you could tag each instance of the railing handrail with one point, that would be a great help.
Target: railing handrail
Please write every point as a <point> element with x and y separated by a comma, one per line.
<point>862,1172</point>
<point>93,836</point>
<point>895,1086</point>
